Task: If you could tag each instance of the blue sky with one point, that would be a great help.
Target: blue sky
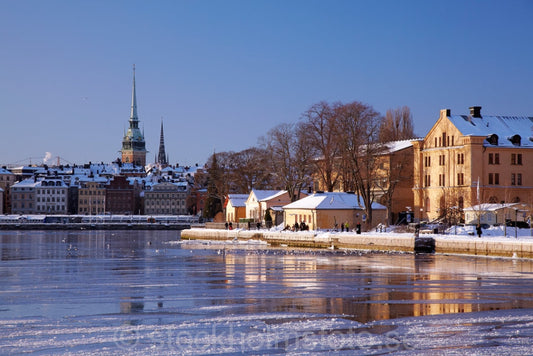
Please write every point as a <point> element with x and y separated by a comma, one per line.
<point>223,73</point>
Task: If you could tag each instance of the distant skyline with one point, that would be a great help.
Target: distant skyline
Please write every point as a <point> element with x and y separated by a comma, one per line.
<point>221,74</point>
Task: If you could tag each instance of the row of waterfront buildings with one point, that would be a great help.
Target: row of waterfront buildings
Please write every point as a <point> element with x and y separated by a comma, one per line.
<point>97,189</point>
<point>468,168</point>
<point>463,161</point>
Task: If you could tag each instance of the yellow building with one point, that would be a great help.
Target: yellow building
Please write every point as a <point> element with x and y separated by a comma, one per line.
<point>466,160</point>
<point>235,207</point>
<point>91,198</point>
<point>328,210</point>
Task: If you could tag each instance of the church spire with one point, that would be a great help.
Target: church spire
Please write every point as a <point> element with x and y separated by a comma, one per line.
<point>133,114</point>
<point>162,157</point>
<point>133,144</point>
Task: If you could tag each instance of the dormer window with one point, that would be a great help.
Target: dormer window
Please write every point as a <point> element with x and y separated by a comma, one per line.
<point>515,140</point>
<point>493,139</point>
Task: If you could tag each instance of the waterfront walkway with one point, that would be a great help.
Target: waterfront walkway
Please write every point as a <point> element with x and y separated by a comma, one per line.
<point>400,242</point>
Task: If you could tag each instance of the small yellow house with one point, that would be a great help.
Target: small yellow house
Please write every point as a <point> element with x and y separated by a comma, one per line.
<point>259,201</point>
<point>235,207</point>
<point>328,210</point>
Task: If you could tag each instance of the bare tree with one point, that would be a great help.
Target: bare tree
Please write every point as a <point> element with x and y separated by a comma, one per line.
<point>357,127</point>
<point>290,157</point>
<point>319,126</point>
<point>397,125</point>
<point>248,169</point>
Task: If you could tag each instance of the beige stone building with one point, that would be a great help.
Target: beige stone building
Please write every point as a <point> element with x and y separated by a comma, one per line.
<point>91,198</point>
<point>166,198</point>
<point>466,160</point>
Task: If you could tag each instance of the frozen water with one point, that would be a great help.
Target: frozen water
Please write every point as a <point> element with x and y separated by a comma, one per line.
<point>146,292</point>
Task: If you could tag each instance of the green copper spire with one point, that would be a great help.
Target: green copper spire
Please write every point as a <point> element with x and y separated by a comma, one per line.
<point>133,145</point>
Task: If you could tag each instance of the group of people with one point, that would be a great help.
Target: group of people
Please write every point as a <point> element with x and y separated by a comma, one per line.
<point>297,227</point>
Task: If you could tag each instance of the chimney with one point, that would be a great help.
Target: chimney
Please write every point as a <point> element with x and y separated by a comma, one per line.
<point>445,113</point>
<point>475,111</point>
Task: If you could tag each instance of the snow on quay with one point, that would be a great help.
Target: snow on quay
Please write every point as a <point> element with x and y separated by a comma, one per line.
<point>496,241</point>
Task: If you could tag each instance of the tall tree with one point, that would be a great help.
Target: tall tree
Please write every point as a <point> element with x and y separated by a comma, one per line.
<point>248,169</point>
<point>214,199</point>
<point>397,125</point>
<point>319,126</point>
<point>290,157</point>
<point>357,127</point>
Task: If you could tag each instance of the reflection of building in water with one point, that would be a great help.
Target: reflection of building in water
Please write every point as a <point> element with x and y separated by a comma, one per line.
<point>370,288</point>
<point>132,305</point>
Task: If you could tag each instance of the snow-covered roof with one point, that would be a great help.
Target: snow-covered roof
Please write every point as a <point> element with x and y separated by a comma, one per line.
<point>263,195</point>
<point>4,171</point>
<point>29,182</point>
<point>395,146</point>
<point>331,201</point>
<point>238,200</point>
<point>503,126</point>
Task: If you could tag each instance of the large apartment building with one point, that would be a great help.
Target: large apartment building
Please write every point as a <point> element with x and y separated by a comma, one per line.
<point>465,160</point>
<point>166,199</point>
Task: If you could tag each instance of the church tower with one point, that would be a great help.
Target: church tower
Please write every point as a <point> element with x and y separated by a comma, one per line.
<point>162,158</point>
<point>133,145</point>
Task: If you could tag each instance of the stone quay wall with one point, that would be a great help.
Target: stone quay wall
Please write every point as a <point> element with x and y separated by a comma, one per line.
<point>379,242</point>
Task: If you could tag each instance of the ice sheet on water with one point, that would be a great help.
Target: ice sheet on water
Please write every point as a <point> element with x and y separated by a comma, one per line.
<point>478,333</point>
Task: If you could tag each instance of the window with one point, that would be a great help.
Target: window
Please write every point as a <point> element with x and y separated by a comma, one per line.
<point>427,161</point>
<point>442,180</point>
<point>427,180</point>
<point>460,179</point>
<point>491,158</point>
<point>460,158</point>
<point>516,178</point>
<point>494,178</point>
<point>516,159</point>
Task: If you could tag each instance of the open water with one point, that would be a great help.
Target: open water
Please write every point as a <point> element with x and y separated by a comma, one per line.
<point>147,292</point>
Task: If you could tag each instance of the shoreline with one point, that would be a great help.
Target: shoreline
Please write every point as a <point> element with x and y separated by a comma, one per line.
<point>97,226</point>
<point>428,243</point>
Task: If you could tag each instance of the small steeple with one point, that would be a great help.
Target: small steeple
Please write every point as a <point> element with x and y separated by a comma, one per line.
<point>162,157</point>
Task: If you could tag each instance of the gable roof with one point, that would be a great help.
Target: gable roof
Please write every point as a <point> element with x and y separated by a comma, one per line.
<point>238,200</point>
<point>331,201</point>
<point>503,126</point>
<point>263,195</point>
